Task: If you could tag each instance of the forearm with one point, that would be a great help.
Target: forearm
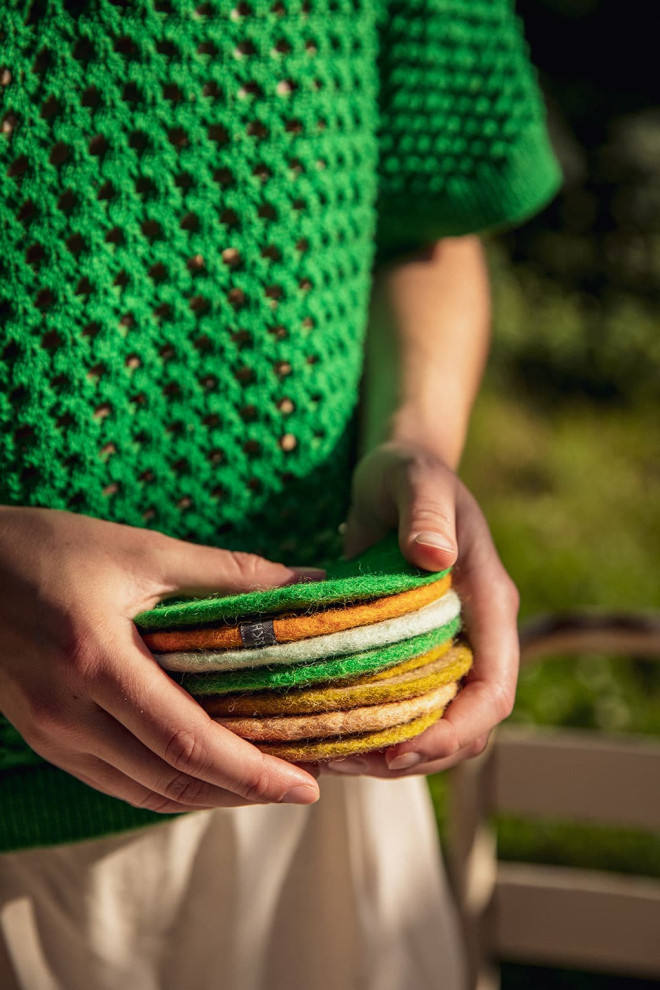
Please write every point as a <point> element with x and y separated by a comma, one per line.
<point>426,347</point>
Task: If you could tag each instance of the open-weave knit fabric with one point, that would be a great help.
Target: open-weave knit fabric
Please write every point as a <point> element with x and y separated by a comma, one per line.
<point>189,196</point>
<point>192,198</point>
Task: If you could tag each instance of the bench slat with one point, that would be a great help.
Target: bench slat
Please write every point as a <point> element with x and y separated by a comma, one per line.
<point>567,917</point>
<point>577,775</point>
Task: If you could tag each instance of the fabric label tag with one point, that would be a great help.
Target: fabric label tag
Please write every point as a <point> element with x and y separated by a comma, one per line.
<point>258,633</point>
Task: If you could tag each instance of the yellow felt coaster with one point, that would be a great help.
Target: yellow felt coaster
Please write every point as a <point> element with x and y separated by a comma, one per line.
<point>413,663</point>
<point>367,690</point>
<point>289,628</point>
<point>371,718</point>
<point>316,750</point>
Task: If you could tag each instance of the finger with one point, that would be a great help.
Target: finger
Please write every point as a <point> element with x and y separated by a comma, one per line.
<point>425,494</point>
<point>183,568</point>
<point>79,738</point>
<point>490,608</point>
<point>312,768</point>
<point>115,746</point>
<point>375,764</point>
<point>108,780</point>
<point>362,529</point>
<point>164,717</point>
<point>470,752</point>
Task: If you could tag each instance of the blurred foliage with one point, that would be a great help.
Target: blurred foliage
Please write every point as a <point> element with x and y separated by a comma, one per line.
<point>577,289</point>
<point>554,339</point>
<point>563,453</point>
<point>567,844</point>
<point>572,494</point>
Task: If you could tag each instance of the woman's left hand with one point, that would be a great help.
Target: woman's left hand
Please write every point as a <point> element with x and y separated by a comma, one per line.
<point>409,487</point>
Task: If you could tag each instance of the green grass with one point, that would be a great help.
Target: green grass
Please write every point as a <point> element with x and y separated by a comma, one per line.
<point>572,495</point>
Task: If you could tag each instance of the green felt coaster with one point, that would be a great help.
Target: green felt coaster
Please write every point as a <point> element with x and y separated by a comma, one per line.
<point>380,570</point>
<point>257,678</point>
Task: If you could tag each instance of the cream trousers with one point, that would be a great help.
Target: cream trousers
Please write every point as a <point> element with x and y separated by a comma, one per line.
<point>348,894</point>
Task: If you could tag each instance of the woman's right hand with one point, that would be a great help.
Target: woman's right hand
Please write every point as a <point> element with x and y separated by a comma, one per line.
<point>81,687</point>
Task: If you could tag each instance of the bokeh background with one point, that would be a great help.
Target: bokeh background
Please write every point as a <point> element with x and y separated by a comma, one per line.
<point>564,451</point>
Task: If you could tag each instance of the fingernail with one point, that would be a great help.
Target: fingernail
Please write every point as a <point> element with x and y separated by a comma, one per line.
<point>348,766</point>
<point>405,761</point>
<point>308,573</point>
<point>432,540</point>
<point>302,794</point>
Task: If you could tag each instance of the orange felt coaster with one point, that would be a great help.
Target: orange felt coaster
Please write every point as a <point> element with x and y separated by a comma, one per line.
<point>288,628</point>
<point>366,690</point>
<point>371,718</point>
<point>316,750</point>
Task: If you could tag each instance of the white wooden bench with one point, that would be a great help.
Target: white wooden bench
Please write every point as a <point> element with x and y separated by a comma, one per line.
<point>552,915</point>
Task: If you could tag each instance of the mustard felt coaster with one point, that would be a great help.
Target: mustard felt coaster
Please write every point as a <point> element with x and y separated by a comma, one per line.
<point>380,570</point>
<point>431,616</point>
<point>316,751</point>
<point>413,664</point>
<point>408,650</point>
<point>371,718</point>
<point>364,691</point>
<point>289,628</point>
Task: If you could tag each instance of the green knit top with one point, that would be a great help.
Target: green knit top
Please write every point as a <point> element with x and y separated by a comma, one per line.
<point>192,200</point>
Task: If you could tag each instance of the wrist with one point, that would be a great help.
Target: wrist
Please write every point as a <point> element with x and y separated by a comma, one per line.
<point>440,431</point>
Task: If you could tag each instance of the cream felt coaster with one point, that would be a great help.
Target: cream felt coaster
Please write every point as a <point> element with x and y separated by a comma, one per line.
<point>318,750</point>
<point>432,616</point>
<point>409,653</point>
<point>372,718</point>
<point>380,570</point>
<point>368,690</point>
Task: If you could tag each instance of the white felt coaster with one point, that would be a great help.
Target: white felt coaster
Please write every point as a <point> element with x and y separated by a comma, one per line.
<point>355,640</point>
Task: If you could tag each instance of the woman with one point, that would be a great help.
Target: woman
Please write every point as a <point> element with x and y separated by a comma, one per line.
<point>210,215</point>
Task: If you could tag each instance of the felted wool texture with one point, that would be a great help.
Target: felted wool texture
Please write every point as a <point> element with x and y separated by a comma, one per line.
<point>431,616</point>
<point>370,718</point>
<point>381,570</point>
<point>408,651</point>
<point>365,691</point>
<point>413,664</point>
<point>314,750</point>
<point>290,628</point>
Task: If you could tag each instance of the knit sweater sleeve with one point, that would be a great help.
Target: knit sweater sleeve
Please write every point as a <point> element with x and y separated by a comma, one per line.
<point>463,144</point>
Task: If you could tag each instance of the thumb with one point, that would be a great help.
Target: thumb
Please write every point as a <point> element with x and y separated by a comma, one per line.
<point>360,531</point>
<point>189,569</point>
<point>427,518</point>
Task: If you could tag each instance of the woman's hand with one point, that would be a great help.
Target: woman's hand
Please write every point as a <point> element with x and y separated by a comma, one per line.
<point>81,687</point>
<point>409,487</point>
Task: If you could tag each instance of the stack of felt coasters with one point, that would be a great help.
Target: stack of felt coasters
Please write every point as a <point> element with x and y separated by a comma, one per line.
<point>312,671</point>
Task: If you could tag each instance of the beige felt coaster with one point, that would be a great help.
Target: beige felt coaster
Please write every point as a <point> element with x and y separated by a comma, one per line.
<point>368,690</point>
<point>343,723</point>
<point>316,750</point>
